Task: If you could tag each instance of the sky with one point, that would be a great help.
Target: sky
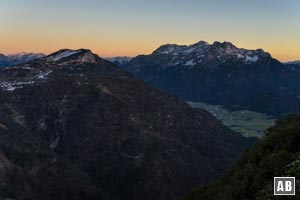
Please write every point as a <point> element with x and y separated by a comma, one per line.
<point>133,27</point>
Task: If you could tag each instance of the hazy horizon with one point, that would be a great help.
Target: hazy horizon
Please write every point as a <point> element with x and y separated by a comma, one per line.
<point>131,27</point>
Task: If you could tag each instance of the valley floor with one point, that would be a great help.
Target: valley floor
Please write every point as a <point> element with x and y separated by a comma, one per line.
<point>246,122</point>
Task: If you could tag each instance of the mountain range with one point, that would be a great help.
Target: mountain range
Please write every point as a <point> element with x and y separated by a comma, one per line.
<point>119,60</point>
<point>221,74</point>
<point>75,126</point>
<point>18,58</point>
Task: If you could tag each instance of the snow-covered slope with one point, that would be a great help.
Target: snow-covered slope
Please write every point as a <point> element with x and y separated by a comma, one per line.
<point>80,55</point>
<point>63,54</point>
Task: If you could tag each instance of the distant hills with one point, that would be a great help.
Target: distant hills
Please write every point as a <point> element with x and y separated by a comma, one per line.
<point>296,62</point>
<point>221,74</point>
<point>18,58</point>
<point>218,73</point>
<point>75,126</point>
<point>293,65</point>
<point>120,60</point>
<point>277,155</point>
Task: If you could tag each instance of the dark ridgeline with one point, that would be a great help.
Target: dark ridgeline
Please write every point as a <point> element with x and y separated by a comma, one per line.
<point>251,177</point>
<point>221,74</point>
<point>74,126</point>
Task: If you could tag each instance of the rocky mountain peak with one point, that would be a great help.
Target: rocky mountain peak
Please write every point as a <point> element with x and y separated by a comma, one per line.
<point>222,74</point>
<point>226,50</point>
<point>227,46</point>
<point>203,52</point>
<point>203,55</point>
<point>201,43</point>
<point>167,49</point>
<point>181,50</point>
<point>80,55</point>
<point>224,44</point>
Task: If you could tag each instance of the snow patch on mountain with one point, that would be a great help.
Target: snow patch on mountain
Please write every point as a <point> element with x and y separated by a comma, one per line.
<point>43,75</point>
<point>250,59</point>
<point>62,55</point>
<point>190,63</point>
<point>240,56</point>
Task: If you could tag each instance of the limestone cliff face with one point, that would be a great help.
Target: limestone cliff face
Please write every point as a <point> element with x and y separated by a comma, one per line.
<point>87,58</point>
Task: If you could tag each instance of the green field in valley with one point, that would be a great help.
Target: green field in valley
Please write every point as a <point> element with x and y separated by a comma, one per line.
<point>246,122</point>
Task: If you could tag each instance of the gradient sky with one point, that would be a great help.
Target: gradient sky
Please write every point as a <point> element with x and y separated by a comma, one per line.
<point>132,27</point>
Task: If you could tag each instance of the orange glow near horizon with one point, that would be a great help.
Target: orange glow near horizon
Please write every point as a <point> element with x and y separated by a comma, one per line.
<point>130,49</point>
<point>133,27</point>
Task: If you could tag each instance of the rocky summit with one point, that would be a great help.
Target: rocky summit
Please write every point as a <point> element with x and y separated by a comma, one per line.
<point>221,74</point>
<point>75,126</point>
